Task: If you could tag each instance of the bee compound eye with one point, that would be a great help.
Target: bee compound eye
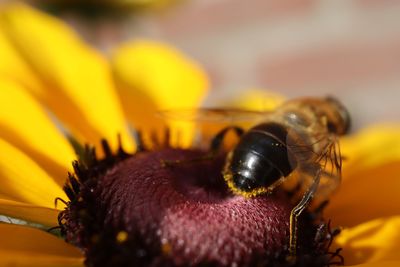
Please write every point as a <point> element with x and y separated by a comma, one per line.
<point>332,127</point>
<point>343,114</point>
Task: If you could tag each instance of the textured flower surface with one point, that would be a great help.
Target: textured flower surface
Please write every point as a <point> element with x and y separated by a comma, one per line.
<point>53,86</point>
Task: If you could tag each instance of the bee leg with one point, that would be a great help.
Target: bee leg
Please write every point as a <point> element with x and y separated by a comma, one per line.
<point>169,163</point>
<point>217,140</point>
<point>215,146</point>
<point>296,212</point>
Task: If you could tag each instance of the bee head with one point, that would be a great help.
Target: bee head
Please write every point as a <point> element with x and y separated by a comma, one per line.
<point>338,117</point>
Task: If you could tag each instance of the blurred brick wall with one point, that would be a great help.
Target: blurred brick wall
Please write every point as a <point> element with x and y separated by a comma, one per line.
<point>346,48</point>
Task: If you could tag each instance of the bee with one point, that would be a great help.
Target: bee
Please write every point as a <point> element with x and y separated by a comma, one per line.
<point>300,136</point>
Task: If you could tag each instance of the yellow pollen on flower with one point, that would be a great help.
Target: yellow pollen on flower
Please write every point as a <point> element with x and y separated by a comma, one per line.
<point>166,248</point>
<point>122,236</point>
<point>255,192</point>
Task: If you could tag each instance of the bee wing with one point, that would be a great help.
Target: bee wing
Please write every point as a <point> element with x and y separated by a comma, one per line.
<point>330,162</point>
<point>223,115</point>
<point>327,164</point>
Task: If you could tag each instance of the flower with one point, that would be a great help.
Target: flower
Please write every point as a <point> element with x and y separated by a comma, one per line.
<point>50,79</point>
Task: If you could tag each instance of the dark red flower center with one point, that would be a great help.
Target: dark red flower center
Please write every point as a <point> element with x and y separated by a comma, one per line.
<point>141,212</point>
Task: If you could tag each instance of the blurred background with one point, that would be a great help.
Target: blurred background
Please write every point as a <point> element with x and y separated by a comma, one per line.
<point>346,48</point>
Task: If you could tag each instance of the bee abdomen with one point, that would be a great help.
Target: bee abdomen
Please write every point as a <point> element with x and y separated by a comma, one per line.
<point>262,156</point>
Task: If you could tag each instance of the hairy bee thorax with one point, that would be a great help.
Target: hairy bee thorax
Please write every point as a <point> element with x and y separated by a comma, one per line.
<point>316,115</point>
<point>312,123</point>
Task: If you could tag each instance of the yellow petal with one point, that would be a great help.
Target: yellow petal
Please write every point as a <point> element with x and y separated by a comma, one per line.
<point>371,183</point>
<point>16,259</point>
<point>26,125</point>
<point>21,179</point>
<point>380,264</point>
<point>253,99</point>
<point>371,242</point>
<point>79,87</point>
<point>15,68</point>
<point>371,147</point>
<point>23,246</point>
<point>153,76</point>
<point>29,212</point>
